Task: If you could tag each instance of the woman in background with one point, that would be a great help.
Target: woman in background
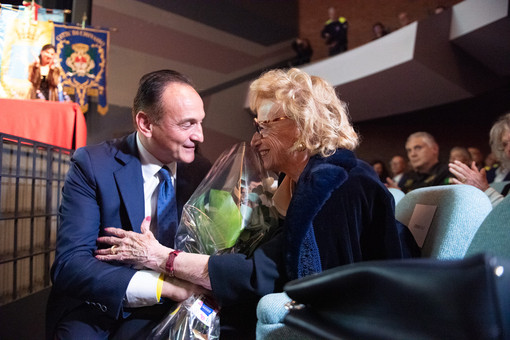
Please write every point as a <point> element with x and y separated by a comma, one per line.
<point>44,75</point>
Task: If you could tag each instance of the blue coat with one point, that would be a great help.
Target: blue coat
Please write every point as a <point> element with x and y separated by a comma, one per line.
<point>103,188</point>
<point>340,213</point>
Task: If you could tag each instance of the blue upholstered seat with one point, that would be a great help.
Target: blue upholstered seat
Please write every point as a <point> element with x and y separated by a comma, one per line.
<point>460,211</point>
<point>493,236</point>
<point>397,194</point>
<point>270,313</point>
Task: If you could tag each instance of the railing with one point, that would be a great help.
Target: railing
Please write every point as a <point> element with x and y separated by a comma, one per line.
<point>31,179</point>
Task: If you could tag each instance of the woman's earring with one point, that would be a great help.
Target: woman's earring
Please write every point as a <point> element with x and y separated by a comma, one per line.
<point>301,147</point>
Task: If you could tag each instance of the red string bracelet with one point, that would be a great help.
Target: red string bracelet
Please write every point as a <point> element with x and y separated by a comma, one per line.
<point>170,263</point>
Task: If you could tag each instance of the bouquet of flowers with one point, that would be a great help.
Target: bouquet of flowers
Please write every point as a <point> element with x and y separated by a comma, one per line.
<point>230,211</point>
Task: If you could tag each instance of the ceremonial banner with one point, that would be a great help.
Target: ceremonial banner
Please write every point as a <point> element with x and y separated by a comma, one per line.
<point>20,44</point>
<point>82,54</point>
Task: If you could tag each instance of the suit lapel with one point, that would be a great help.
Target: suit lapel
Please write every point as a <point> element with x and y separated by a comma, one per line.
<point>130,183</point>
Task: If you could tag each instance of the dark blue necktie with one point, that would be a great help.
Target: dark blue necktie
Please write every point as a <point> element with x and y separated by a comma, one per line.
<point>166,210</point>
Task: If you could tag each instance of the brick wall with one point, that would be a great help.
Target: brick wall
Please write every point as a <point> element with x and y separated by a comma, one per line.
<point>361,15</point>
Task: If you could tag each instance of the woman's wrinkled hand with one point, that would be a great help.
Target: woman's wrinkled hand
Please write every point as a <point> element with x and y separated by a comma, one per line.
<point>468,175</point>
<point>179,290</point>
<point>139,249</point>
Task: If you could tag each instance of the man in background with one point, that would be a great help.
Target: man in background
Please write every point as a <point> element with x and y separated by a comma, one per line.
<point>335,32</point>
<point>398,166</point>
<point>423,153</point>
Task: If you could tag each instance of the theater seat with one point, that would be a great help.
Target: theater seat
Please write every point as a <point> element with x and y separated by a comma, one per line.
<point>493,236</point>
<point>460,211</point>
<point>397,194</point>
<point>270,314</point>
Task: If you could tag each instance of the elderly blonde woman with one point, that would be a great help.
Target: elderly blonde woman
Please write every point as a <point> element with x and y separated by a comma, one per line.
<point>334,207</point>
<point>500,146</point>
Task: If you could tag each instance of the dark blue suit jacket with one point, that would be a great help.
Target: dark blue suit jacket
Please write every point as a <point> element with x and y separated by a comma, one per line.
<point>103,188</point>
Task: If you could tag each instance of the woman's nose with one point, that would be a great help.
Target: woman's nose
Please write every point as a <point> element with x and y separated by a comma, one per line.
<point>255,140</point>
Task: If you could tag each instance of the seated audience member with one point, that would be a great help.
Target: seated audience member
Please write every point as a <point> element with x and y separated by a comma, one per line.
<point>398,166</point>
<point>378,30</point>
<point>423,153</point>
<point>461,154</point>
<point>500,145</point>
<point>476,156</point>
<point>335,209</point>
<point>380,170</point>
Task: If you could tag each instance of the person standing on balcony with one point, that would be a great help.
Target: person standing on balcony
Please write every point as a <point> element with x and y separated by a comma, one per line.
<point>335,33</point>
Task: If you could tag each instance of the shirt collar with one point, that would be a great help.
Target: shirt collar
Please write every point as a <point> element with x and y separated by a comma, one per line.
<point>150,164</point>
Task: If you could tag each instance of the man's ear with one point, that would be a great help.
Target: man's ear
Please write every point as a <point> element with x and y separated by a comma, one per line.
<point>435,147</point>
<point>143,124</point>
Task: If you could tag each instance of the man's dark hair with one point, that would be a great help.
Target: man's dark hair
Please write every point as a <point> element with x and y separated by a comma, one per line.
<point>150,90</point>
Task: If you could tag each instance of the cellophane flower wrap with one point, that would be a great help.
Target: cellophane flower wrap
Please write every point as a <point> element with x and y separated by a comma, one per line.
<point>230,211</point>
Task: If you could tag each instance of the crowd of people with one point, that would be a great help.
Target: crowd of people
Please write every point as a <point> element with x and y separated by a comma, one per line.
<point>466,164</point>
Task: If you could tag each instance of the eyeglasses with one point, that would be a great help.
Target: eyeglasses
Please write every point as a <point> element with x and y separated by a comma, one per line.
<point>260,128</point>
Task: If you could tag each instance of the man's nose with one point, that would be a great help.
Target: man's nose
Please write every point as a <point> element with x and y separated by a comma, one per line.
<point>198,134</point>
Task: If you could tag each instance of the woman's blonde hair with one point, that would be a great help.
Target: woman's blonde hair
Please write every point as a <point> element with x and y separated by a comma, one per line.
<point>310,101</point>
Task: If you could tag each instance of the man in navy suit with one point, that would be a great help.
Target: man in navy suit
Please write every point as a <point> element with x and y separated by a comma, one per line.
<point>115,184</point>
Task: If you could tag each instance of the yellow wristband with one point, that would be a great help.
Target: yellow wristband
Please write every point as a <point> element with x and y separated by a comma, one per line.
<point>160,286</point>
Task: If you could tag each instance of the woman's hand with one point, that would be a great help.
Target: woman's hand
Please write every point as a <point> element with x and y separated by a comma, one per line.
<point>467,175</point>
<point>179,290</point>
<point>140,249</point>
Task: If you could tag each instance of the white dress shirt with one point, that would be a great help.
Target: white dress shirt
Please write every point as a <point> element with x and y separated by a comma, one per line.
<point>142,289</point>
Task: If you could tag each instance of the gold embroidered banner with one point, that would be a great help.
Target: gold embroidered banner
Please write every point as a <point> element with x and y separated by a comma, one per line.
<point>82,54</point>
